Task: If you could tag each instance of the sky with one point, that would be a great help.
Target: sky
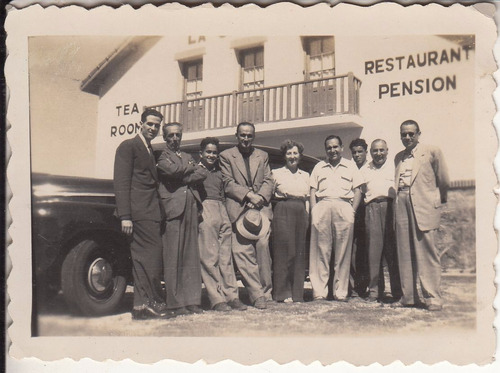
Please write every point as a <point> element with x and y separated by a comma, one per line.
<point>58,108</point>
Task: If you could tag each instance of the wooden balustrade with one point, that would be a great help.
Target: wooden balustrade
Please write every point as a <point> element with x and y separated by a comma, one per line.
<point>314,98</point>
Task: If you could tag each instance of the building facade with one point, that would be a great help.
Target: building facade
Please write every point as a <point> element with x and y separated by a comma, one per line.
<point>299,87</point>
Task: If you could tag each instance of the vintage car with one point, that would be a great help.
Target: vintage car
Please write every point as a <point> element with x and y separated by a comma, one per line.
<point>77,243</point>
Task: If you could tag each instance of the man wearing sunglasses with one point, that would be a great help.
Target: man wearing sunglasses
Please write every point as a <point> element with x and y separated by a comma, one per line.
<point>422,182</point>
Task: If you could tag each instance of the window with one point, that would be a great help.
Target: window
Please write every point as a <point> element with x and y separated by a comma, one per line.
<point>252,68</point>
<point>320,57</point>
<point>193,79</point>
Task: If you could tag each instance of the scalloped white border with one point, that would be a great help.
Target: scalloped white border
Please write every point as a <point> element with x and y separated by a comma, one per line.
<point>433,19</point>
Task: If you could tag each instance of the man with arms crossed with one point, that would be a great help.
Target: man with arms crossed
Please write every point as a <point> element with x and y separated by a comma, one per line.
<point>335,196</point>
<point>138,207</point>
<point>248,181</point>
<point>181,258</point>
<point>422,183</point>
<point>379,194</point>
<point>215,233</point>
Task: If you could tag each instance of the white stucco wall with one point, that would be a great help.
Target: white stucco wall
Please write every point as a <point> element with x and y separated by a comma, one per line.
<point>446,118</point>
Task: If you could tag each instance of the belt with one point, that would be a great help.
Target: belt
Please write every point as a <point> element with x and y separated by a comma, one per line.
<point>281,199</point>
<point>348,200</point>
<point>380,199</point>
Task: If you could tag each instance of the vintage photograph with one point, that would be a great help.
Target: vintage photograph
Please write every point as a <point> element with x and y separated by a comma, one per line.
<point>280,97</point>
<point>302,184</point>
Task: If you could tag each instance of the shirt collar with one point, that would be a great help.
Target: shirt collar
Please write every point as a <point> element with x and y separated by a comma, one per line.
<point>372,166</point>
<point>214,169</point>
<point>411,152</point>
<point>343,162</point>
<point>144,141</point>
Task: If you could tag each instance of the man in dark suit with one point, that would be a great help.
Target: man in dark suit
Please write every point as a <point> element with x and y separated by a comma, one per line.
<point>421,179</point>
<point>138,207</point>
<point>359,277</point>
<point>248,182</point>
<point>181,201</point>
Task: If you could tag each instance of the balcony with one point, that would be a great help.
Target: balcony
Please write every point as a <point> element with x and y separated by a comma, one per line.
<point>306,99</point>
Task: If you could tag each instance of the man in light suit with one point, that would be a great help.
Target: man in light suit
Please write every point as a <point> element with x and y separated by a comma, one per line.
<point>179,175</point>
<point>422,182</point>
<point>138,207</point>
<point>248,181</point>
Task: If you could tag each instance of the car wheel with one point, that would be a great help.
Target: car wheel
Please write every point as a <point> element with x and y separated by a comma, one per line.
<point>90,279</point>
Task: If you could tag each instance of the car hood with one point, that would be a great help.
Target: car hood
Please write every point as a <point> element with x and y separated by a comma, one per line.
<point>45,185</point>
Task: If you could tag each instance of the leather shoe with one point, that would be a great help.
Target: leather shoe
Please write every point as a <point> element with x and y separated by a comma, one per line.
<point>181,311</point>
<point>194,309</point>
<point>434,307</point>
<point>399,304</point>
<point>158,307</point>
<point>147,313</point>
<point>260,303</point>
<point>222,307</point>
<point>236,304</point>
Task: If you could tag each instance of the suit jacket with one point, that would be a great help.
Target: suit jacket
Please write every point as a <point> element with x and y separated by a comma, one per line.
<point>136,182</point>
<point>178,176</point>
<point>234,174</point>
<point>428,186</point>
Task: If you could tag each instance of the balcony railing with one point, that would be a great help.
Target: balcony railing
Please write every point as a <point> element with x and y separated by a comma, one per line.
<point>307,99</point>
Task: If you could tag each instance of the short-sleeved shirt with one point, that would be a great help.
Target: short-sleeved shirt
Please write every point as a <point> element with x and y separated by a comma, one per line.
<point>336,182</point>
<point>289,184</point>
<point>379,182</point>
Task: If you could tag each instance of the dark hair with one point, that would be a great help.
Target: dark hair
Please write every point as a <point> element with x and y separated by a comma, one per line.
<point>358,142</point>
<point>207,141</point>
<point>410,122</point>
<point>289,144</point>
<point>330,137</point>
<point>244,124</point>
<point>150,111</point>
<point>171,124</point>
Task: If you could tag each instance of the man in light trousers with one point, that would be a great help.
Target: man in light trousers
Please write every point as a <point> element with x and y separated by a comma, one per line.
<point>335,196</point>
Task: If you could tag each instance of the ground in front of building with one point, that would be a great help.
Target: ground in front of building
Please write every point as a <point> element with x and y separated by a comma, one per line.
<point>325,318</point>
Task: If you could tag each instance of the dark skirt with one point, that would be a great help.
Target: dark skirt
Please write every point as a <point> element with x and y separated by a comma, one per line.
<point>290,223</point>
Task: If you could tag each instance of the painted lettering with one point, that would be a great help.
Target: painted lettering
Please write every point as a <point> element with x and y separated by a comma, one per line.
<point>455,54</point>
<point>394,89</point>
<point>400,59</point>
<point>424,59</point>
<point>433,57</point>
<point>382,90</point>
<point>419,86</point>
<point>444,57</point>
<point>369,67</point>
<point>411,62</point>
<point>390,64</point>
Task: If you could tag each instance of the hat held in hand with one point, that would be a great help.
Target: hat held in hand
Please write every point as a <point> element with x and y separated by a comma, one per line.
<point>253,224</point>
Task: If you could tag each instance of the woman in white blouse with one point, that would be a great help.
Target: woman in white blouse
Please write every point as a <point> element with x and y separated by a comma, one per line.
<point>290,221</point>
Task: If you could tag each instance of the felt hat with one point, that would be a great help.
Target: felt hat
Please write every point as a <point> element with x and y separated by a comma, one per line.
<point>253,224</point>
